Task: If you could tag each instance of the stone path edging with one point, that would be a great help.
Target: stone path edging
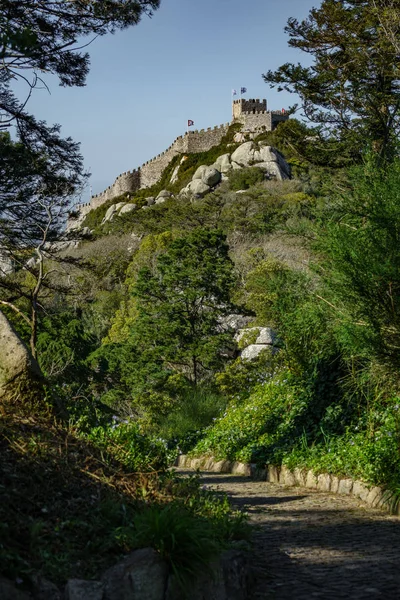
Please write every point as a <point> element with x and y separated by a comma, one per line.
<point>373,496</point>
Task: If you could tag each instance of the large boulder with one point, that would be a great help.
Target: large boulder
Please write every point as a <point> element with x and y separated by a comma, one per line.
<point>164,194</point>
<point>197,188</point>
<point>244,155</point>
<point>127,208</point>
<point>109,213</point>
<point>223,163</point>
<point>254,350</point>
<point>198,174</point>
<point>79,589</point>
<point>259,335</point>
<point>142,575</point>
<point>211,176</point>
<point>20,376</point>
<point>265,157</point>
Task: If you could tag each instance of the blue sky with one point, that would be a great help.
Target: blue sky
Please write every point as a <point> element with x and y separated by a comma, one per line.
<point>146,82</point>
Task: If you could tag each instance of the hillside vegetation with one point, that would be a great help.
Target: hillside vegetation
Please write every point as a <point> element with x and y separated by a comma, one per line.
<point>136,329</point>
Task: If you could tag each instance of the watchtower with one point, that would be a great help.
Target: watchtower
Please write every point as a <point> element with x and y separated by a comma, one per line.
<point>248,106</point>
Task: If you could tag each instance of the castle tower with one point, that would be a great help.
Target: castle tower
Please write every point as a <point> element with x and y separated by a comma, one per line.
<point>247,106</point>
<point>255,117</point>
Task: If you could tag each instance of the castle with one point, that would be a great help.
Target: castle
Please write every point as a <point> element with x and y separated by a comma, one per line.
<point>252,114</point>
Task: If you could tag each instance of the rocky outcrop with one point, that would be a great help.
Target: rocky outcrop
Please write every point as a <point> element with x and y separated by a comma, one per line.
<point>254,340</point>
<point>20,376</point>
<point>267,158</point>
<point>211,176</point>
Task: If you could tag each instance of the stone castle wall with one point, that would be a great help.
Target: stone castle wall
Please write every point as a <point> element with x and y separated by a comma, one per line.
<point>150,172</point>
<point>263,120</point>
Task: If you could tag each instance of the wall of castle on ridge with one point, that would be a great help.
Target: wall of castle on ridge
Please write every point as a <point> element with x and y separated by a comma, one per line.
<point>125,183</point>
<point>205,139</point>
<point>150,172</point>
<point>256,121</point>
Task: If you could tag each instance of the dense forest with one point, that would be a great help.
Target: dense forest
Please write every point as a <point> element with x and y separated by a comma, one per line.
<point>132,356</point>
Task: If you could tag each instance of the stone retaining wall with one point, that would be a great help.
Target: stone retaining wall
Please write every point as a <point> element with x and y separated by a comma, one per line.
<point>373,496</point>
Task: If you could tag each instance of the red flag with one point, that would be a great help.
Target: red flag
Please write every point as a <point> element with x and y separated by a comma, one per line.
<point>190,123</point>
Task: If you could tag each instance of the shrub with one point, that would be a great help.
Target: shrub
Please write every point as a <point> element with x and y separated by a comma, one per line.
<point>242,179</point>
<point>128,445</point>
<point>195,409</point>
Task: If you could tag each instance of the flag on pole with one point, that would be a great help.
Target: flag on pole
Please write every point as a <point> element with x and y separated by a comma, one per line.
<point>243,90</point>
<point>234,93</point>
<point>190,123</point>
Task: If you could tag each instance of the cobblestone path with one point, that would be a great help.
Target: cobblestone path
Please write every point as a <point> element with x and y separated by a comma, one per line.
<point>315,545</point>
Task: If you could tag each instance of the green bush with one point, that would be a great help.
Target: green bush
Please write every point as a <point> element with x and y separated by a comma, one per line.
<point>195,409</point>
<point>243,179</point>
<point>125,442</point>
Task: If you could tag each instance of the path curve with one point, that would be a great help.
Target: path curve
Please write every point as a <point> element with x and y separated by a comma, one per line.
<point>315,545</point>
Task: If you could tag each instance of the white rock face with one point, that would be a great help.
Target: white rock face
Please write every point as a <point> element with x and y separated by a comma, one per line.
<point>150,200</point>
<point>211,176</point>
<point>244,155</point>
<point>119,205</point>
<point>110,213</point>
<point>264,338</point>
<point>127,208</point>
<point>174,176</point>
<point>223,164</point>
<point>265,335</point>
<point>254,350</point>
<point>265,157</point>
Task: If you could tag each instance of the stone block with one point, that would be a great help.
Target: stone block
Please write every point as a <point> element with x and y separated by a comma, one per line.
<point>311,481</point>
<point>335,484</point>
<point>222,466</point>
<point>286,477</point>
<point>300,477</point>
<point>324,482</point>
<point>239,468</point>
<point>208,463</point>
<point>78,589</point>
<point>360,490</point>
<point>258,473</point>
<point>345,487</point>
<point>374,496</point>
<point>141,576</point>
<point>181,461</point>
<point>273,473</point>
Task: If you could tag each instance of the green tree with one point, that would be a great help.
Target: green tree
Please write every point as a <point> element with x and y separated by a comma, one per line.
<point>351,87</point>
<point>360,250</point>
<point>181,304</point>
<point>40,171</point>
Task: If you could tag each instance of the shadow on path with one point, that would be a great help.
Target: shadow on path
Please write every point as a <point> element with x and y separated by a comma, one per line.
<point>316,545</point>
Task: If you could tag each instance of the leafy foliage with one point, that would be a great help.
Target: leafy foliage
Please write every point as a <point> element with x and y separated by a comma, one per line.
<point>351,87</point>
